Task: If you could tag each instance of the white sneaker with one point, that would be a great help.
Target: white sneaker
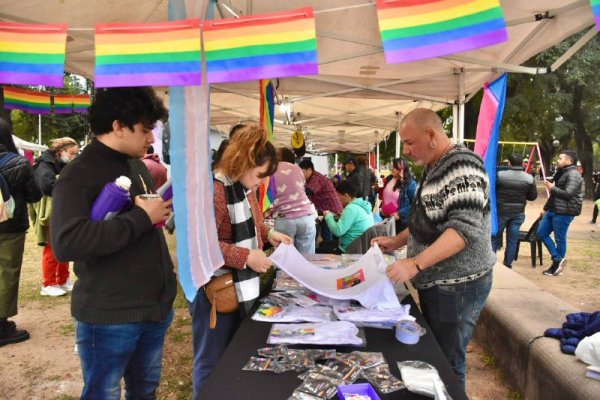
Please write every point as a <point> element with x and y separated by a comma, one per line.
<point>67,286</point>
<point>52,291</point>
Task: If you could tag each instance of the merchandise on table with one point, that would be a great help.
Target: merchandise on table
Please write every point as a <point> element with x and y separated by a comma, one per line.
<point>325,333</point>
<point>284,282</point>
<point>263,364</point>
<point>382,379</point>
<point>359,391</point>
<point>423,378</point>
<point>361,314</point>
<point>272,313</point>
<point>409,332</point>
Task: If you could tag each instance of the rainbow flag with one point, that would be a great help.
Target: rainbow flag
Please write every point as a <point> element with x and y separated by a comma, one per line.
<point>596,10</point>
<point>267,193</point>
<point>267,106</point>
<point>261,46</point>
<point>70,103</point>
<point>159,54</point>
<point>488,135</point>
<point>32,54</point>
<point>419,29</point>
<point>26,100</point>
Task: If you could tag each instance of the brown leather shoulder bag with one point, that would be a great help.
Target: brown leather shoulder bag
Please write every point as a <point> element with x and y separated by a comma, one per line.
<point>221,294</point>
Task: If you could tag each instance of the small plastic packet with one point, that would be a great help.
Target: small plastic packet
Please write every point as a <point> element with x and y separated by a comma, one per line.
<point>366,359</point>
<point>276,352</point>
<point>304,396</point>
<point>263,364</point>
<point>322,370</point>
<point>322,354</point>
<point>382,379</point>
<point>298,360</point>
<point>349,370</point>
<point>423,378</point>
<point>318,385</point>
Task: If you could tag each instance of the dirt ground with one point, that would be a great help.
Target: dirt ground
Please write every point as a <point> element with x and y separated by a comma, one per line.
<point>45,367</point>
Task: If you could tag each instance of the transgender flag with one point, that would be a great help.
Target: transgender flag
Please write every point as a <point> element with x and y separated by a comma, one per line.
<point>198,251</point>
<point>488,134</point>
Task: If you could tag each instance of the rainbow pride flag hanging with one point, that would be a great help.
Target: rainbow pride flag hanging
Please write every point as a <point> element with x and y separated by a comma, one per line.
<point>26,100</point>
<point>267,192</point>
<point>419,29</point>
<point>596,10</point>
<point>267,106</point>
<point>71,103</point>
<point>155,54</point>
<point>32,54</point>
<point>261,46</point>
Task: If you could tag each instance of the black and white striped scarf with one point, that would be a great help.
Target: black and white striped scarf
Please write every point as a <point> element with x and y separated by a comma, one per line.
<point>243,229</point>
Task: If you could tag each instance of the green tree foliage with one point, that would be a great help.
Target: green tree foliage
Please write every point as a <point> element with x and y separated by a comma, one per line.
<point>562,105</point>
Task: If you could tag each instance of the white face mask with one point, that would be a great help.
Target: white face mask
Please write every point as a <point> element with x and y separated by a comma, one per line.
<point>65,160</point>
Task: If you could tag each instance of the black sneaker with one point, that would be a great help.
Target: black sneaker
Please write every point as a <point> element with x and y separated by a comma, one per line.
<point>550,271</point>
<point>561,267</point>
<point>10,334</point>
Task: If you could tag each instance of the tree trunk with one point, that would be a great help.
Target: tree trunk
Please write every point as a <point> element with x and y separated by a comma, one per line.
<point>583,141</point>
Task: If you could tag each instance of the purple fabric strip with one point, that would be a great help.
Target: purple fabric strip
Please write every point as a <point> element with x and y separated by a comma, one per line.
<point>31,110</point>
<point>151,79</point>
<point>597,19</point>
<point>23,78</point>
<point>268,71</point>
<point>451,47</point>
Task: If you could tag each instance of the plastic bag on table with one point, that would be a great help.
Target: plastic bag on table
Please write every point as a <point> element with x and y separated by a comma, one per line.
<point>422,378</point>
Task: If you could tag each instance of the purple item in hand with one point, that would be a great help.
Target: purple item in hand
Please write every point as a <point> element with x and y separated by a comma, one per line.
<point>113,199</point>
<point>166,190</point>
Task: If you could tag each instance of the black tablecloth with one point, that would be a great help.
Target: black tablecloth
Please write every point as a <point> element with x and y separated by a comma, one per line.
<point>229,382</point>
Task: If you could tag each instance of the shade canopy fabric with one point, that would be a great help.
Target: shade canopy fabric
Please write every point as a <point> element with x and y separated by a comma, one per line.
<point>357,99</point>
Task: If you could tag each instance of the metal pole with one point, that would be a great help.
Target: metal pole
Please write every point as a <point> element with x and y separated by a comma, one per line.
<point>377,162</point>
<point>397,144</point>
<point>455,123</point>
<point>39,129</point>
<point>335,171</point>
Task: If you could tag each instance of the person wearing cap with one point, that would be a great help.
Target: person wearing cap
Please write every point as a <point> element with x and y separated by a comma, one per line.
<point>355,177</point>
<point>561,208</point>
<point>514,187</point>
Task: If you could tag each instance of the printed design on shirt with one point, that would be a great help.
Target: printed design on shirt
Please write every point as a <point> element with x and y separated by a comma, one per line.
<point>351,280</point>
<point>300,184</point>
<point>294,196</point>
<point>290,332</point>
<point>281,189</point>
<point>286,172</point>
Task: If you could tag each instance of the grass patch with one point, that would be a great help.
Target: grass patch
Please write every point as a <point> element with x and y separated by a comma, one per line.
<point>66,397</point>
<point>68,329</point>
<point>489,360</point>
<point>515,395</point>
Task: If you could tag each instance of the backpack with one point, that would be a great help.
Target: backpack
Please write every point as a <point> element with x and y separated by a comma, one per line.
<point>7,203</point>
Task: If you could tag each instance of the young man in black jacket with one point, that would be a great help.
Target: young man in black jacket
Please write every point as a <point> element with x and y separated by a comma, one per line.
<point>561,208</point>
<point>514,187</point>
<point>122,301</point>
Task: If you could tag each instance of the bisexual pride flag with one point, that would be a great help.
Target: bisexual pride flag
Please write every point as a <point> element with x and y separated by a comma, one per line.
<point>26,100</point>
<point>488,135</point>
<point>419,29</point>
<point>596,10</point>
<point>261,46</point>
<point>154,54</point>
<point>32,54</point>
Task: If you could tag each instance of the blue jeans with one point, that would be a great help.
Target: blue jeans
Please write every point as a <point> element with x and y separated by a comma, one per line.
<point>109,352</point>
<point>302,229</point>
<point>512,223</point>
<point>452,312</point>
<point>558,223</point>
<point>209,344</point>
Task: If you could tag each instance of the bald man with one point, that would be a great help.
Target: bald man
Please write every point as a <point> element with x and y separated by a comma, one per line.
<point>450,257</point>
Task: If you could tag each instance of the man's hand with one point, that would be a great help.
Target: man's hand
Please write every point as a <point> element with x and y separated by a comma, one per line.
<point>387,244</point>
<point>157,209</point>
<point>401,271</point>
<point>276,238</point>
<point>549,185</point>
<point>258,261</point>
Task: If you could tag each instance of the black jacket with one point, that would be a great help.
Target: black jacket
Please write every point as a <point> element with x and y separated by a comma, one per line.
<point>124,270</point>
<point>46,169</point>
<point>19,176</point>
<point>513,188</point>
<point>566,197</point>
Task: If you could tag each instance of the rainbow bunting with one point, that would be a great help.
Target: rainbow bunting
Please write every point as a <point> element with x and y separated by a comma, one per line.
<point>261,46</point>
<point>596,10</point>
<point>32,54</point>
<point>159,54</point>
<point>26,100</point>
<point>418,29</point>
<point>70,103</point>
<point>267,106</point>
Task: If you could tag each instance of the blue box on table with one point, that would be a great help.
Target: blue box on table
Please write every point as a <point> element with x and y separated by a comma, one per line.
<point>357,388</point>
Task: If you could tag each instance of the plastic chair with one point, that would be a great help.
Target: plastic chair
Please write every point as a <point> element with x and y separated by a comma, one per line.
<point>535,243</point>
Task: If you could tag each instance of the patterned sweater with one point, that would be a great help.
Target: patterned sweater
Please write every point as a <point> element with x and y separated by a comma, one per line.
<point>455,194</point>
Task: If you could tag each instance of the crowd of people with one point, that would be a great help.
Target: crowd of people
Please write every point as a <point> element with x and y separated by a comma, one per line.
<point>122,300</point>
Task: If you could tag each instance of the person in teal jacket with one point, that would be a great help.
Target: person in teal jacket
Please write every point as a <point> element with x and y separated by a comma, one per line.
<point>356,217</point>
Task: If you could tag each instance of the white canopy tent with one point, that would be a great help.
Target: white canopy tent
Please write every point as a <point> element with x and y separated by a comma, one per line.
<point>25,145</point>
<point>357,99</point>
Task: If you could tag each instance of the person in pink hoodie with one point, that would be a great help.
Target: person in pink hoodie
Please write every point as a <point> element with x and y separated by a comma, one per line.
<point>157,170</point>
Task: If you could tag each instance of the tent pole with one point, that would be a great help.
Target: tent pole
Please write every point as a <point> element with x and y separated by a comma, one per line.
<point>335,171</point>
<point>397,144</point>
<point>40,129</point>
<point>461,107</point>
<point>377,158</point>
<point>455,123</point>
